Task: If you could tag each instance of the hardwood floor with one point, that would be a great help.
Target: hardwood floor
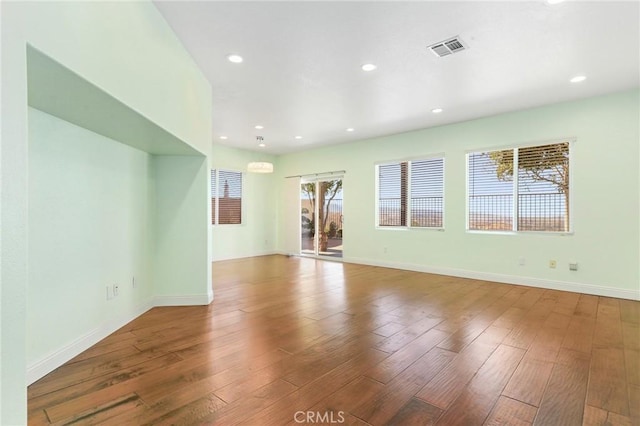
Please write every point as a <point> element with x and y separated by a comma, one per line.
<point>295,340</point>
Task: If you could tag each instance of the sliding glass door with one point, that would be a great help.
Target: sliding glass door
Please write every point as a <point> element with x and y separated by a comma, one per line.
<point>322,220</point>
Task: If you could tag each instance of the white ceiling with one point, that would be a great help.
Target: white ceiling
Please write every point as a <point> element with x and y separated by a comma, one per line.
<point>302,74</point>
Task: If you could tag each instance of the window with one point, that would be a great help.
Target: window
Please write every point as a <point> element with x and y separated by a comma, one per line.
<point>535,198</point>
<point>392,194</point>
<point>226,197</point>
<point>410,193</point>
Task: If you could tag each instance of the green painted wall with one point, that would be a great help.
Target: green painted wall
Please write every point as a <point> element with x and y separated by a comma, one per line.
<point>128,51</point>
<point>102,213</point>
<point>90,200</point>
<point>181,232</point>
<point>257,234</point>
<point>604,185</point>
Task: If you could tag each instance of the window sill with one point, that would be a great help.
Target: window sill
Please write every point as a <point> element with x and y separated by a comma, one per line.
<point>408,228</point>
<point>557,234</point>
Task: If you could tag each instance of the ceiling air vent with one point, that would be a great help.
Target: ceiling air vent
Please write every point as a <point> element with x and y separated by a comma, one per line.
<point>447,47</point>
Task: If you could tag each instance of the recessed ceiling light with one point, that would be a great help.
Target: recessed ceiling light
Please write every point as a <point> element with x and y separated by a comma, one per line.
<point>259,127</point>
<point>298,137</point>
<point>262,145</point>
<point>223,137</point>
<point>436,110</point>
<point>236,59</point>
<point>578,79</point>
<point>554,1</point>
<point>350,129</point>
<point>368,67</point>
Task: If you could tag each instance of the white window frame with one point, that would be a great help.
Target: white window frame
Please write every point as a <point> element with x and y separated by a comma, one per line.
<point>514,231</point>
<point>408,226</point>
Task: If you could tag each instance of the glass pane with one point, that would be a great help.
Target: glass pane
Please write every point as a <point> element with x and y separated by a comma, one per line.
<point>307,231</point>
<point>392,194</point>
<point>491,190</point>
<point>427,189</point>
<point>330,218</point>
<point>543,188</point>
<point>213,197</point>
<point>322,220</point>
<point>229,197</point>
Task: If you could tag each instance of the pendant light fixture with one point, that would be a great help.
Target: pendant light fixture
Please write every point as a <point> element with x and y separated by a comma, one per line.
<point>260,166</point>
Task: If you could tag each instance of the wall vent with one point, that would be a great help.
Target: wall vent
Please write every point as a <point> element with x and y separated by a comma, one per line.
<point>447,47</point>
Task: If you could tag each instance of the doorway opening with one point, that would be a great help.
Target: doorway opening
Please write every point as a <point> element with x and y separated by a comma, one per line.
<point>322,222</point>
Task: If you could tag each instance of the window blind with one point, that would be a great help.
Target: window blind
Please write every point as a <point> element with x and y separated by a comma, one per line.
<point>491,193</point>
<point>229,197</point>
<point>226,197</point>
<point>392,201</point>
<point>410,193</point>
<point>537,200</point>
<point>213,196</point>
<point>427,190</point>
<point>543,188</point>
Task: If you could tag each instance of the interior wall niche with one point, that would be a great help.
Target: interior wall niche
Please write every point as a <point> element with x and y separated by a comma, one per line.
<point>117,218</point>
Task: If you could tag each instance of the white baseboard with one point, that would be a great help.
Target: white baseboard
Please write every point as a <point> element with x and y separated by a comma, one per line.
<point>507,279</point>
<point>54,360</point>
<point>490,276</point>
<point>286,253</point>
<point>49,363</point>
<point>244,256</point>
<point>189,300</point>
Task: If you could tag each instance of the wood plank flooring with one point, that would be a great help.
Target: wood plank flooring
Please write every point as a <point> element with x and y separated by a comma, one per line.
<point>291,341</point>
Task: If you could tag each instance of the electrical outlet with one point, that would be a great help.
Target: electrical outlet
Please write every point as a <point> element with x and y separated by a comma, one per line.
<point>573,266</point>
<point>115,290</point>
<point>553,264</point>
